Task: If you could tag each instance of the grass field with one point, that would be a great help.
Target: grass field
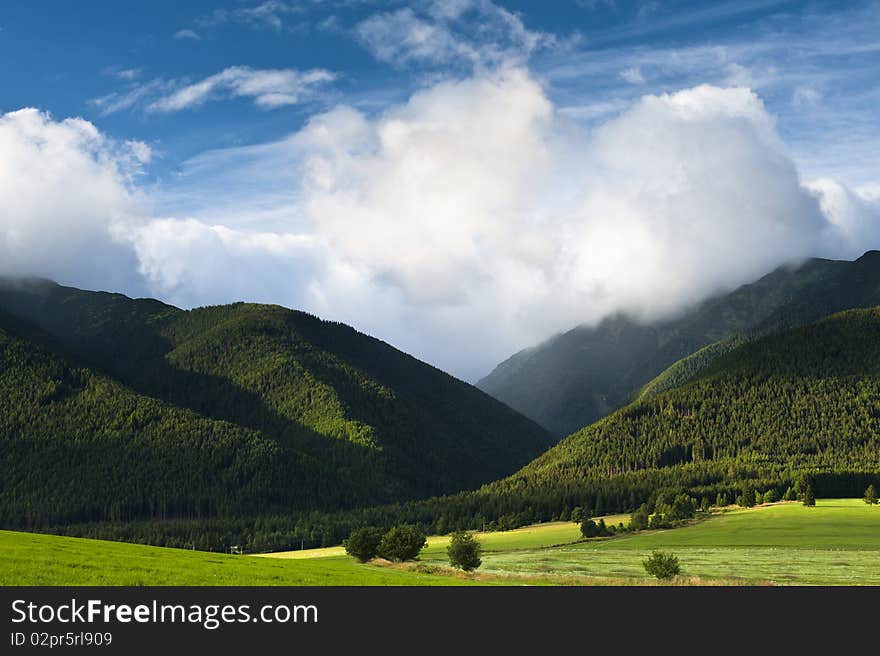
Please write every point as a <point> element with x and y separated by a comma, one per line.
<point>837,542</point>
<point>32,559</point>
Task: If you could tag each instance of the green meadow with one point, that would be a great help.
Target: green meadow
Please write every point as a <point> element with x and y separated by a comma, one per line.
<point>835,543</point>
<point>33,559</point>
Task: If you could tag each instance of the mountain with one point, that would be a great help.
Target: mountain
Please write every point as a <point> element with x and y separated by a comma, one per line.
<point>582,375</point>
<point>133,408</point>
<point>801,401</point>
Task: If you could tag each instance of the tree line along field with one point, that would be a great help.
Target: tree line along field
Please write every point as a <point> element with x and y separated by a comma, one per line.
<point>835,543</point>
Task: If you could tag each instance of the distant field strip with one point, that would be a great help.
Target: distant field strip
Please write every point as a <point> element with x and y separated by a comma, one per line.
<point>529,537</point>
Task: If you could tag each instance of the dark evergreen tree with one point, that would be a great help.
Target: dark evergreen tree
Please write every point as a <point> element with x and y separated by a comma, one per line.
<point>809,498</point>
<point>747,498</point>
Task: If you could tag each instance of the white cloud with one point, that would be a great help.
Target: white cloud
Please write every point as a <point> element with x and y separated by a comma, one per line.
<point>853,215</point>
<point>268,14</point>
<point>452,228</point>
<point>187,34</point>
<point>461,233</point>
<point>186,259</point>
<point>477,32</point>
<point>129,97</point>
<point>127,74</point>
<point>401,37</point>
<point>805,96</point>
<point>65,189</point>
<point>633,75</point>
<point>269,88</point>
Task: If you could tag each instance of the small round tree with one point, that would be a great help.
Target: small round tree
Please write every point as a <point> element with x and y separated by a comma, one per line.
<point>363,543</point>
<point>464,551</point>
<point>402,543</point>
<point>662,565</point>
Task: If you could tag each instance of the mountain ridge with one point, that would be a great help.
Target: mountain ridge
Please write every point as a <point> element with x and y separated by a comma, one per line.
<point>319,391</point>
<point>579,376</point>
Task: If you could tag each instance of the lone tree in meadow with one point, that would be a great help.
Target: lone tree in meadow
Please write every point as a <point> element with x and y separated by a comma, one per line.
<point>662,565</point>
<point>402,543</point>
<point>871,495</point>
<point>464,551</point>
<point>363,543</point>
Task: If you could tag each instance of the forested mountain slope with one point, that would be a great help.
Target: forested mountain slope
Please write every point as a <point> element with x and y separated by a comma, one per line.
<point>341,419</point>
<point>582,375</point>
<point>798,404</point>
<point>806,400</point>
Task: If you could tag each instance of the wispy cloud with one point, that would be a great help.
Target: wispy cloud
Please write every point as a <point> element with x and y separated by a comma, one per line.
<point>269,14</point>
<point>633,75</point>
<point>125,74</point>
<point>187,34</point>
<point>132,95</point>
<point>475,32</point>
<point>268,88</point>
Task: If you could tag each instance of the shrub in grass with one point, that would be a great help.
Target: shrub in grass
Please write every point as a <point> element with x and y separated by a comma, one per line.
<point>363,543</point>
<point>464,551</point>
<point>402,543</point>
<point>662,565</point>
<point>871,495</point>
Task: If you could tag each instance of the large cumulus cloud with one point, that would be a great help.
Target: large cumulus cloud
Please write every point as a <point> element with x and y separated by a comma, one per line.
<point>465,223</point>
<point>64,189</point>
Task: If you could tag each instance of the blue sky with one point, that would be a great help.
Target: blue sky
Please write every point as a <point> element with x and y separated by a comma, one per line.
<point>814,63</point>
<point>313,154</point>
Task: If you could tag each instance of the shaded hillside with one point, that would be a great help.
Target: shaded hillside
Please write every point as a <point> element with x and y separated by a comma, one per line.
<point>803,403</point>
<point>76,445</point>
<point>803,400</point>
<point>582,375</point>
<point>376,424</point>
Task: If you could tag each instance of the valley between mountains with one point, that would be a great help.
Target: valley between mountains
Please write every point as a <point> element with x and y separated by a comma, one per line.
<point>270,429</point>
